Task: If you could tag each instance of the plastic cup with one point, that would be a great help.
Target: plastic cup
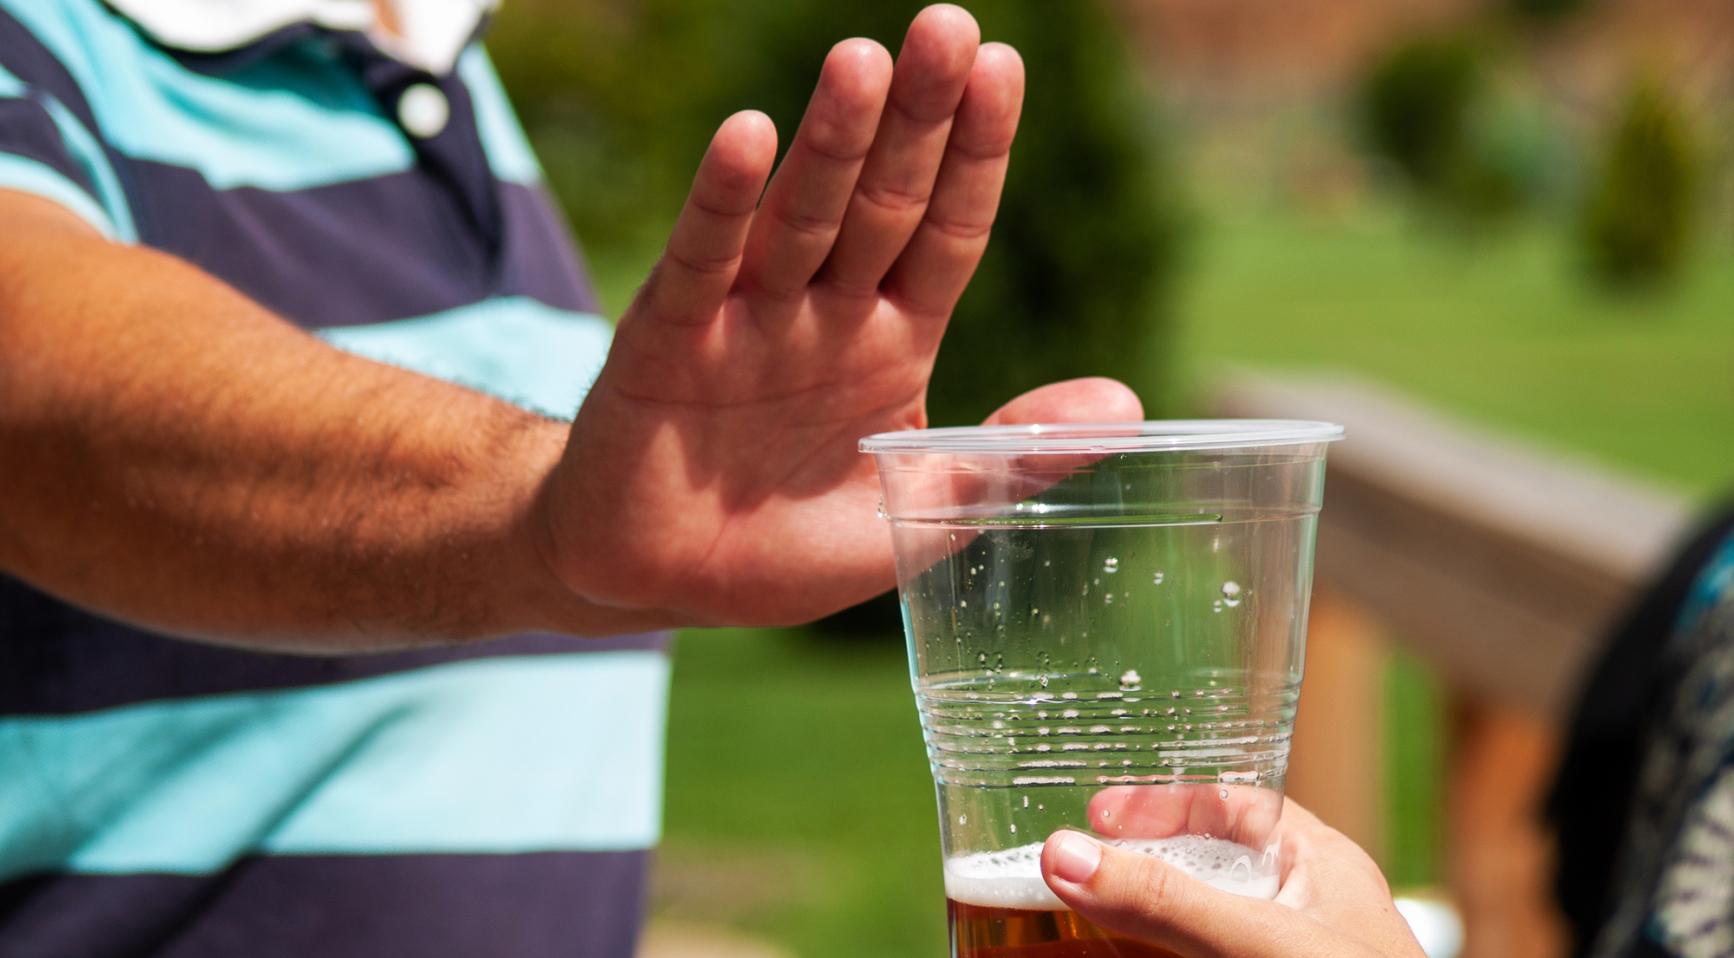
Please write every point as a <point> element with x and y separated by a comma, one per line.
<point>1106,628</point>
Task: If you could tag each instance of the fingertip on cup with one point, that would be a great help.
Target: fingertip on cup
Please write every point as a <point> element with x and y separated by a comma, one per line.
<point>1071,856</point>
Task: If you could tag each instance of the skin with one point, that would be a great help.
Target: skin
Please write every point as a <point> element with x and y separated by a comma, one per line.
<point>1332,902</point>
<point>178,457</point>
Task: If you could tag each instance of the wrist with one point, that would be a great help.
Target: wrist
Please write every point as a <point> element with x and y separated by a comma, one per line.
<point>534,594</point>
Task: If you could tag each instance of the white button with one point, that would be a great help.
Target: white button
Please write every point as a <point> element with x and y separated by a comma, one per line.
<point>423,110</point>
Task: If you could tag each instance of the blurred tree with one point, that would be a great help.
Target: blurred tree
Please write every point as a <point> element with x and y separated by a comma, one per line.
<point>1514,158</point>
<point>1475,148</point>
<point>1638,209</point>
<point>621,96</point>
<point>1416,104</point>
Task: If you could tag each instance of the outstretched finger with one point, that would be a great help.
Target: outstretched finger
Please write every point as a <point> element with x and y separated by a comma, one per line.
<point>933,269</point>
<point>803,208</point>
<point>890,197</point>
<point>704,252</point>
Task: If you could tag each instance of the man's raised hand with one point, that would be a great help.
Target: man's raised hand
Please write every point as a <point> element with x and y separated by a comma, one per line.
<point>712,475</point>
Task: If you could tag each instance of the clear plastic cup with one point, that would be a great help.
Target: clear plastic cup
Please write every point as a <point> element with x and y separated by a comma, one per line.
<point>1106,628</point>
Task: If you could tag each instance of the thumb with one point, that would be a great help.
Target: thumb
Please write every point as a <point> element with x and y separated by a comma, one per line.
<point>1145,898</point>
<point>1092,399</point>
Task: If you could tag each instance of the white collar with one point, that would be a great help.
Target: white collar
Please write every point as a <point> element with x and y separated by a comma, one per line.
<point>433,32</point>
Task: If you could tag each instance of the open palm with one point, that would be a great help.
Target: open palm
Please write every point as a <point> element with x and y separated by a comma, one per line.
<point>712,473</point>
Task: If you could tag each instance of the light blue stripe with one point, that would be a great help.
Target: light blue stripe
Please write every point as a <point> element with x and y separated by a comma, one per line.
<point>509,153</point>
<point>115,220</point>
<point>1714,583</point>
<point>89,153</point>
<point>536,753</point>
<point>516,348</point>
<point>29,176</point>
<point>284,123</point>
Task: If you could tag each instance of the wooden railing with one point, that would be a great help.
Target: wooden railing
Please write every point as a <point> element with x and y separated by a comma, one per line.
<point>1499,564</point>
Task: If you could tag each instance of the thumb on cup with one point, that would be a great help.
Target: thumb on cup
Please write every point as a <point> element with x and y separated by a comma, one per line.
<point>1144,898</point>
<point>1090,399</point>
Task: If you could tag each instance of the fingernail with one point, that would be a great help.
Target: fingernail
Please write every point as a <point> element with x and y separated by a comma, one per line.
<point>1075,857</point>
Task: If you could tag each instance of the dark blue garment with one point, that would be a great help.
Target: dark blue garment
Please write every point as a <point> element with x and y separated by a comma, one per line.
<point>1644,800</point>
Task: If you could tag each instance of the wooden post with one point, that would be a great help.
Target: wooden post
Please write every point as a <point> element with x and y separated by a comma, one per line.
<point>1497,562</point>
<point>1337,769</point>
<point>1499,859</point>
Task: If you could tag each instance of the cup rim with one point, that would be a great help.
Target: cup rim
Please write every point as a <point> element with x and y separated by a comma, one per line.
<point>1069,438</point>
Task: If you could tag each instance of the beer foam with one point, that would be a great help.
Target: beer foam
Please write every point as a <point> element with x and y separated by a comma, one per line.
<point>1013,878</point>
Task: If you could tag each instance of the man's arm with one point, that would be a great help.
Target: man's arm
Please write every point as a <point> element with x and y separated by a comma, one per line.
<point>173,455</point>
<point>176,455</point>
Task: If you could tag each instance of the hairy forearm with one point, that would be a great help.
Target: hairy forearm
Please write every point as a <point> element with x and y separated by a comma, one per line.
<point>177,456</point>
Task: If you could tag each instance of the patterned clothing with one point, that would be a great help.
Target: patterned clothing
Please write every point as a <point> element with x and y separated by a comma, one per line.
<point>162,797</point>
<point>1646,815</point>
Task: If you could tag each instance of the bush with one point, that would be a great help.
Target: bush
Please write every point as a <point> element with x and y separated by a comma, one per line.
<point>621,100</point>
<point>1638,210</point>
<point>1416,105</point>
<point>1474,145</point>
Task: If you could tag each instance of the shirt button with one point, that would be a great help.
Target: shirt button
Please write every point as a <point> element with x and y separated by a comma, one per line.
<point>423,111</point>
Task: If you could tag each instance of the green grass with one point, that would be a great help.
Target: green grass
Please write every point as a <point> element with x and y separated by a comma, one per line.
<point>1414,756</point>
<point>1500,329</point>
<point>797,780</point>
<point>798,803</point>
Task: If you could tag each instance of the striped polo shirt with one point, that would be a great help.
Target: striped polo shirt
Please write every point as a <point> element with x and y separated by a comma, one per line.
<point>166,798</point>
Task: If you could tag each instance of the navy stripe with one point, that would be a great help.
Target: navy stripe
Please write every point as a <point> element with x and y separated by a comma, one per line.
<point>30,132</point>
<point>218,63</point>
<point>453,156</point>
<point>365,251</point>
<point>57,659</point>
<point>537,236</point>
<point>524,906</point>
<point>28,59</point>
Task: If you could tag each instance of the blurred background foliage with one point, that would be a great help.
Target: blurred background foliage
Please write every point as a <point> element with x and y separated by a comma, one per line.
<point>1640,209</point>
<point>1521,211</point>
<point>1476,151</point>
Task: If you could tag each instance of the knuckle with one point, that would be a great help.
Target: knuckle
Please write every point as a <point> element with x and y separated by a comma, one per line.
<point>700,263</point>
<point>1153,885</point>
<point>1377,876</point>
<point>836,142</point>
<point>985,146</point>
<point>959,229</point>
<point>895,199</point>
<point>806,223</point>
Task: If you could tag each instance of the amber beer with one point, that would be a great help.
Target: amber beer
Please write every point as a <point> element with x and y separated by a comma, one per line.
<point>983,931</point>
<point>1001,908</point>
